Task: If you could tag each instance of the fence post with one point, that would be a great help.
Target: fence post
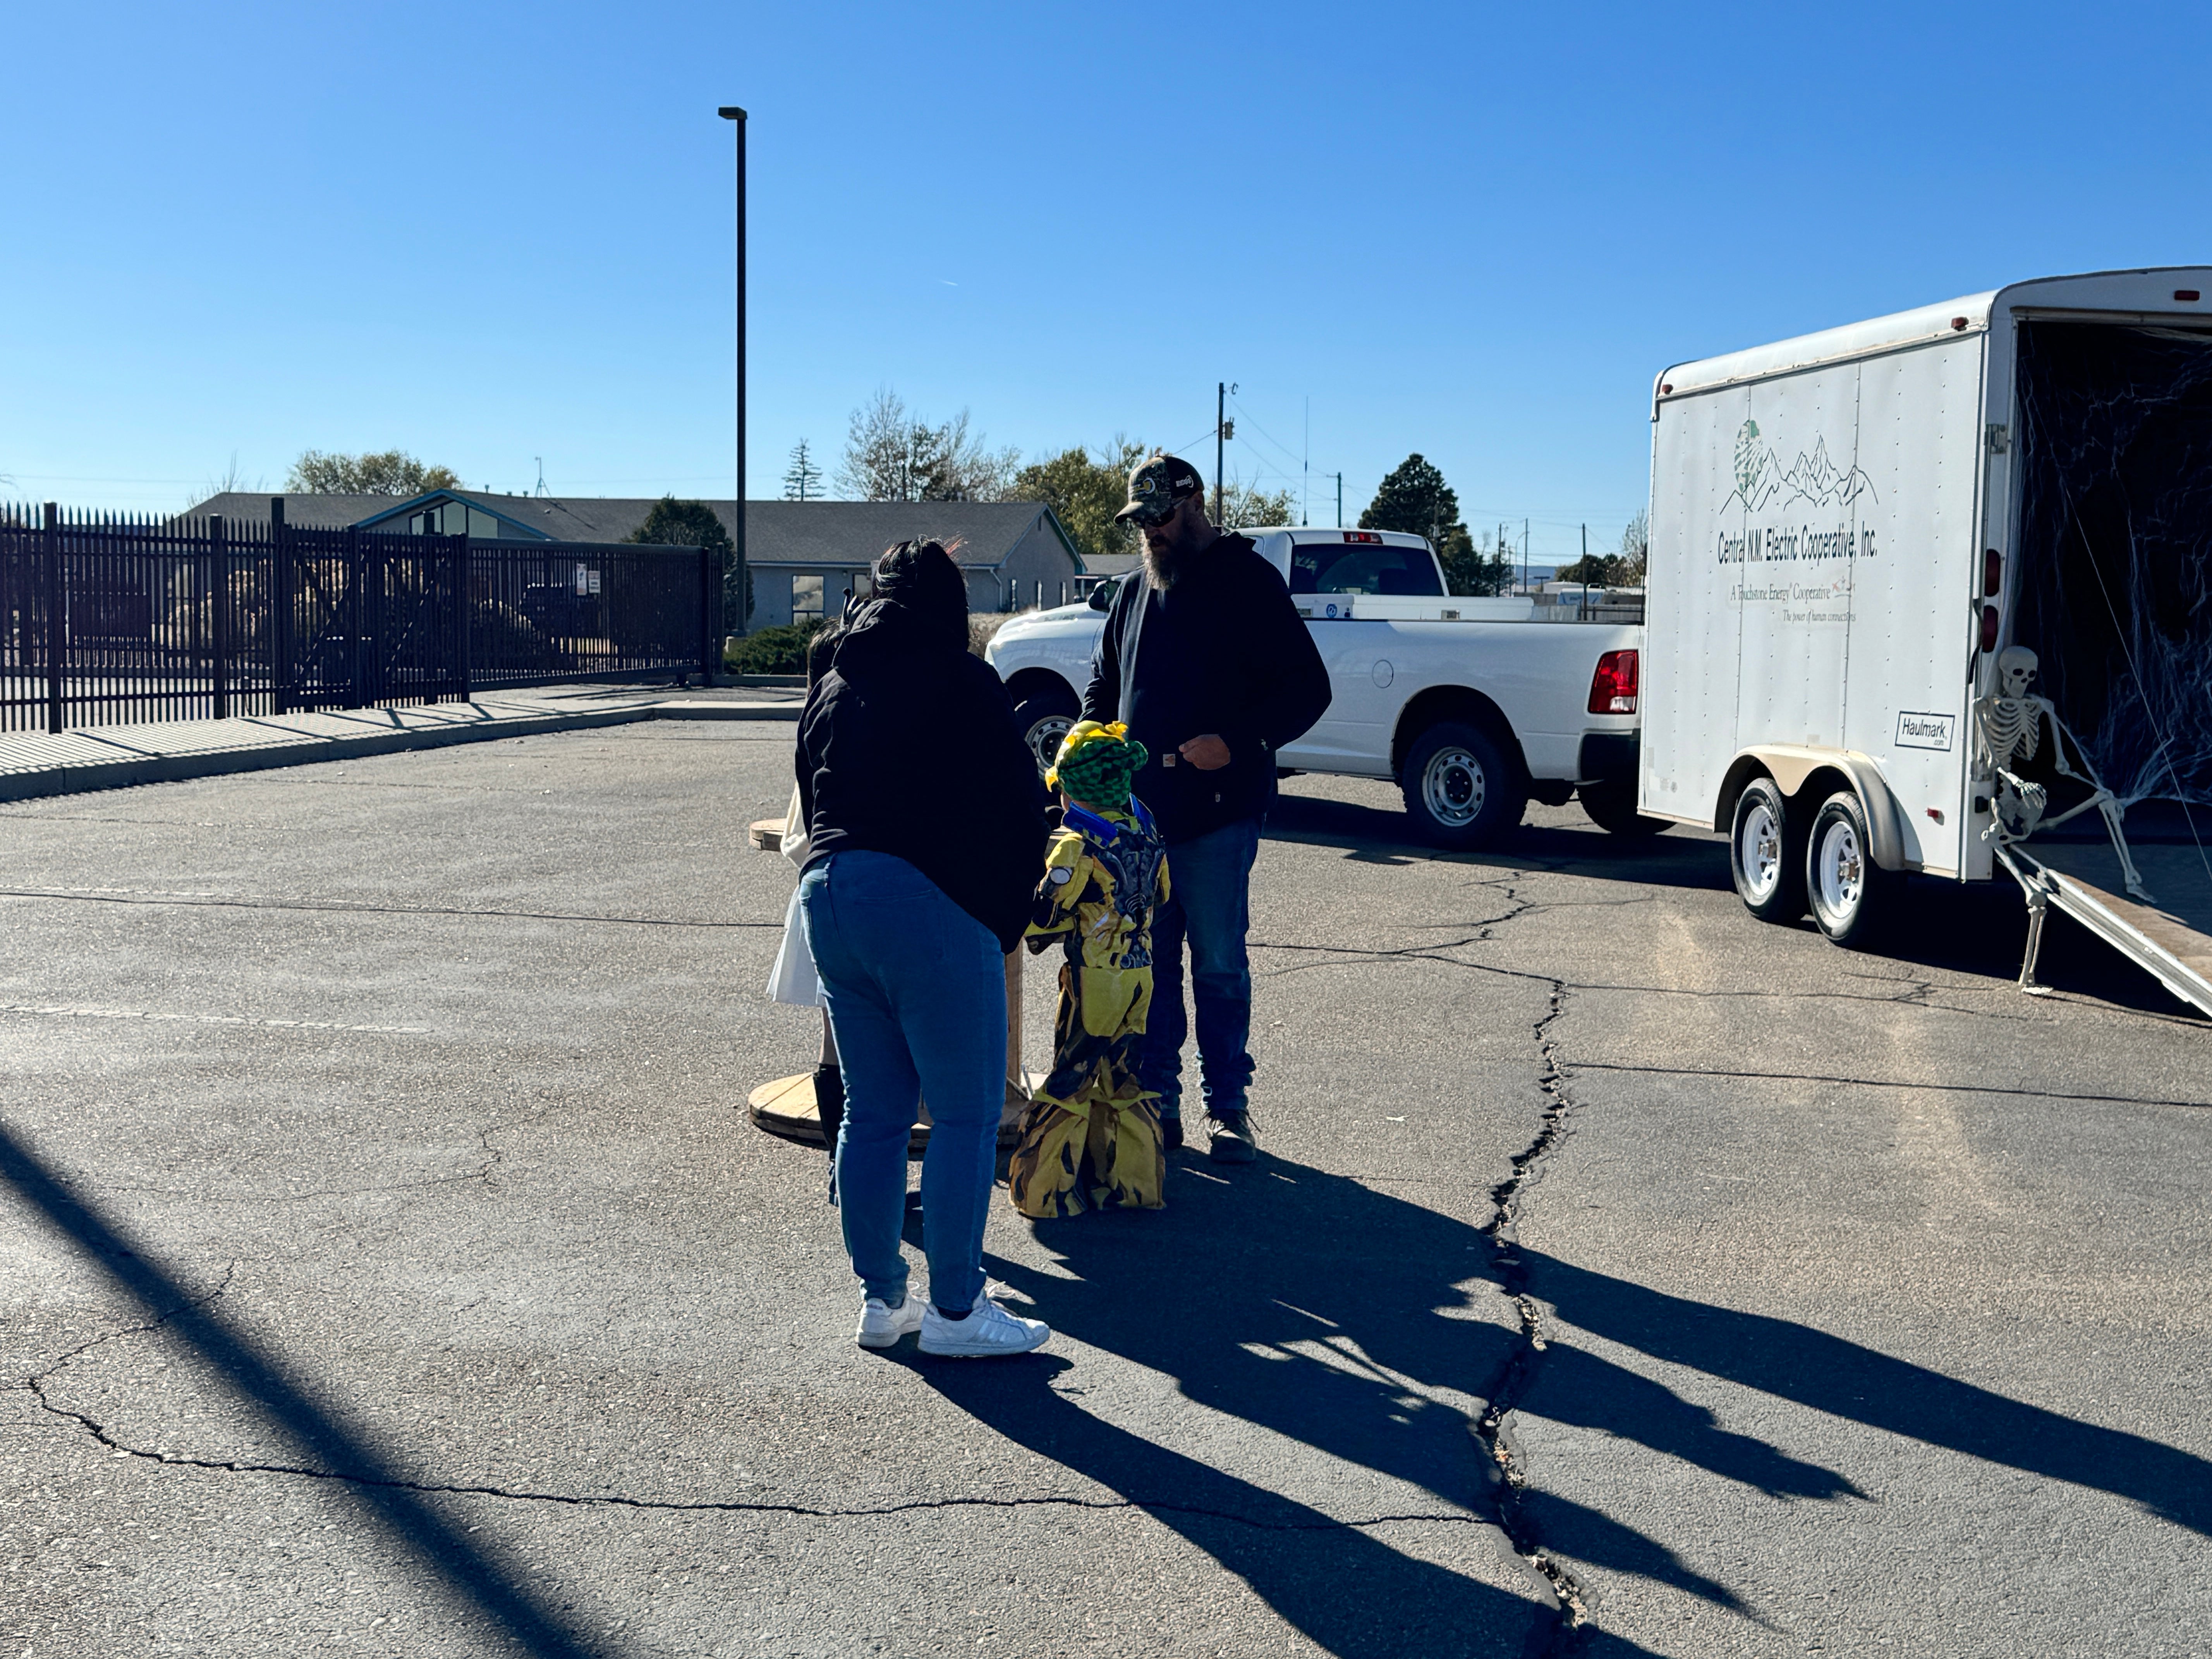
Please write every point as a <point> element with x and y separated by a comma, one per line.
<point>356,658</point>
<point>279,608</point>
<point>710,614</point>
<point>462,586</point>
<point>219,604</point>
<point>57,631</point>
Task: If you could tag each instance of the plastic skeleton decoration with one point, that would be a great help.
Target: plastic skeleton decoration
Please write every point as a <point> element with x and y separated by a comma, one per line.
<point>2011,724</point>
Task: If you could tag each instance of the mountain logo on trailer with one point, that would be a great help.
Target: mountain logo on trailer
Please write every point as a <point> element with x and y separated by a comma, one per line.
<point>1761,477</point>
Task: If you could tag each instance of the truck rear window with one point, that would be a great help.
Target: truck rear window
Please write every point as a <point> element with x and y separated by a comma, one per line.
<point>1337,567</point>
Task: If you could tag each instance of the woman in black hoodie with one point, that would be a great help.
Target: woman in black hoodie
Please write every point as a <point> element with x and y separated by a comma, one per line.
<point>926,823</point>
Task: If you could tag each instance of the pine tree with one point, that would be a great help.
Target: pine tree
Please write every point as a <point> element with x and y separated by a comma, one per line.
<point>802,479</point>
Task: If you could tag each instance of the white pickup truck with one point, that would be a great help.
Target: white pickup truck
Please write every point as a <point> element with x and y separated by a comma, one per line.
<point>1470,704</point>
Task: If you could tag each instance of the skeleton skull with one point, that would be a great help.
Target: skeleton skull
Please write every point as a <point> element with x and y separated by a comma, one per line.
<point>2016,666</point>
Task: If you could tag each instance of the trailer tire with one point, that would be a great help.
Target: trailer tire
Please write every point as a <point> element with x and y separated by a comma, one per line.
<point>1044,717</point>
<point>1766,853</point>
<point>1460,790</point>
<point>1612,807</point>
<point>1853,898</point>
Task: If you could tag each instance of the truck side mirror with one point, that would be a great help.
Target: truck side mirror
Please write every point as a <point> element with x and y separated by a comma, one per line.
<point>1102,596</point>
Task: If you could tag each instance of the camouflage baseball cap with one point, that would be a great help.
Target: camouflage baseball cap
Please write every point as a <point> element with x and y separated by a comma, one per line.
<point>1156,486</point>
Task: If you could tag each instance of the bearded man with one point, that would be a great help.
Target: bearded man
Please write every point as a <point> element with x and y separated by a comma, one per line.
<point>1208,664</point>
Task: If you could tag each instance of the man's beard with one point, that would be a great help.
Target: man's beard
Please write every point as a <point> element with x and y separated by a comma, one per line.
<point>1166,563</point>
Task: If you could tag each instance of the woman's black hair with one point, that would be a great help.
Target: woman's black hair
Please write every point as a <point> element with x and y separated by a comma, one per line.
<point>920,577</point>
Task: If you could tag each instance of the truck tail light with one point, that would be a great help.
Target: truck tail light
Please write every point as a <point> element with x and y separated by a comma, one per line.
<point>1992,572</point>
<point>1612,688</point>
<point>1989,628</point>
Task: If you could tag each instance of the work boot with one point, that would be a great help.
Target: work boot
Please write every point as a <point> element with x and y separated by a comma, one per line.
<point>1234,1141</point>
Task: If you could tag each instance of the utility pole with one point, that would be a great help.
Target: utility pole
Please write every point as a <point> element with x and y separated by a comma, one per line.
<point>1223,431</point>
<point>1340,501</point>
<point>1524,555</point>
<point>1305,465</point>
<point>1583,614</point>
<point>736,117</point>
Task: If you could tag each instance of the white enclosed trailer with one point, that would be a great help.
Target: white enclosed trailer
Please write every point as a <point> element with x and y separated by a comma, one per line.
<point>1848,528</point>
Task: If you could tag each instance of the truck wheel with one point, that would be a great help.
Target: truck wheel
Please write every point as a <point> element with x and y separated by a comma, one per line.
<point>1766,853</point>
<point>1853,897</point>
<point>1460,788</point>
<point>1612,807</point>
<point>1044,718</point>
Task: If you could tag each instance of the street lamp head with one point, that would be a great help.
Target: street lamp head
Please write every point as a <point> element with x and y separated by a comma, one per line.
<point>731,112</point>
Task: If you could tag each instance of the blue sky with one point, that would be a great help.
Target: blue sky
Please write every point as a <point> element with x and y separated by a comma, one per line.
<point>491,232</point>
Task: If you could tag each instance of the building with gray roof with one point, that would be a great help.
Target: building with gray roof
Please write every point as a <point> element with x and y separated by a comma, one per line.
<point>805,556</point>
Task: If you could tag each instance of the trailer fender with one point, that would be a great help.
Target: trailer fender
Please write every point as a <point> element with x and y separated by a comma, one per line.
<point>1793,766</point>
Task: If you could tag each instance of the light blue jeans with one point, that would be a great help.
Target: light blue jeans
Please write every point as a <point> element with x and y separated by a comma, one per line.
<point>917,994</point>
<point>1210,904</point>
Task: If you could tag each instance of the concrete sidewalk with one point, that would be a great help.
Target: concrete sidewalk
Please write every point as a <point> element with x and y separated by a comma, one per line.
<point>35,764</point>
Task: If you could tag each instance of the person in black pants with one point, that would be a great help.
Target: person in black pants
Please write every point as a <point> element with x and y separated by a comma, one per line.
<point>1211,667</point>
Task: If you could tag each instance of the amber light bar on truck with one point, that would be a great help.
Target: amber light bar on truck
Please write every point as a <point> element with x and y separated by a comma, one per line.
<point>1612,688</point>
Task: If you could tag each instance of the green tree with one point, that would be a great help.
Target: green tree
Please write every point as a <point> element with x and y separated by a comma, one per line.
<point>1474,570</point>
<point>1084,490</point>
<point>1248,507</point>
<point>1414,499</point>
<point>378,472</point>
<point>673,523</point>
<point>1598,570</point>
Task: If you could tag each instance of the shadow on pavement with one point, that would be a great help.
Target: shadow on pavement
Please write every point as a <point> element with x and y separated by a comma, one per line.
<point>330,1448</point>
<point>1342,1319</point>
<point>1796,1362</point>
<point>1979,928</point>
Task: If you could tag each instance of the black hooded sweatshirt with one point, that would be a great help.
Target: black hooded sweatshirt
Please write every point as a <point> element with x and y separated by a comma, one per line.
<point>1224,651</point>
<point>908,746</point>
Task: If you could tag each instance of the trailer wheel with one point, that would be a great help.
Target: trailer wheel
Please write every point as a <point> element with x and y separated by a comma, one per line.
<point>1612,807</point>
<point>1044,718</point>
<point>1852,895</point>
<point>1460,789</point>
<point>1766,853</point>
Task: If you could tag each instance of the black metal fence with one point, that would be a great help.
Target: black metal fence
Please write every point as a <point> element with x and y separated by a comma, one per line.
<point>106,621</point>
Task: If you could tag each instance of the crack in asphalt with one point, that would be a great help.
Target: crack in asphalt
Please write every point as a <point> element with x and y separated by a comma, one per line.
<point>104,1436</point>
<point>1512,1277</point>
<point>339,907</point>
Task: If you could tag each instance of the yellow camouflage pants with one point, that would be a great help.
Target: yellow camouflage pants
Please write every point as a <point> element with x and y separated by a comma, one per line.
<point>1091,1138</point>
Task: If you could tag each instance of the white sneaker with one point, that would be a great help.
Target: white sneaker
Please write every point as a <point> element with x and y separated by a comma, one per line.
<point>881,1324</point>
<point>990,1330</point>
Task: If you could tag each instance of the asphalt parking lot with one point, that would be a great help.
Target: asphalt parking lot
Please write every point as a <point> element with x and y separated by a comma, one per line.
<point>389,1268</point>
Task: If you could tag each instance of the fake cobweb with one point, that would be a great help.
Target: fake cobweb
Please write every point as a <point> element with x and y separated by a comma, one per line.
<point>2115,547</point>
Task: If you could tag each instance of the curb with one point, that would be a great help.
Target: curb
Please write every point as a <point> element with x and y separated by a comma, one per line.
<point>179,769</point>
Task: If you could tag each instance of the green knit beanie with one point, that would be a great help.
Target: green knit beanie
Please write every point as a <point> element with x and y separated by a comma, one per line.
<point>1096,764</point>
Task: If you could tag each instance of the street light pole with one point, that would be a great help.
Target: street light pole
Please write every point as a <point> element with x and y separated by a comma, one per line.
<point>736,117</point>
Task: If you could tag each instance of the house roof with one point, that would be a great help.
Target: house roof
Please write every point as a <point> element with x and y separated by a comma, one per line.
<point>308,512</point>
<point>842,535</point>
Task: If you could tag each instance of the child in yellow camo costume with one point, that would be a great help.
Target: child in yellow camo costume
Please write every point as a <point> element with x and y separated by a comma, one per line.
<point>1091,1137</point>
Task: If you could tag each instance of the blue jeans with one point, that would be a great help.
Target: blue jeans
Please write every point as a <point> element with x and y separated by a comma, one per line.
<point>1209,903</point>
<point>917,994</point>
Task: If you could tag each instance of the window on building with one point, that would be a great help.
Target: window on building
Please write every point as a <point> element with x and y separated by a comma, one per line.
<point>807,598</point>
